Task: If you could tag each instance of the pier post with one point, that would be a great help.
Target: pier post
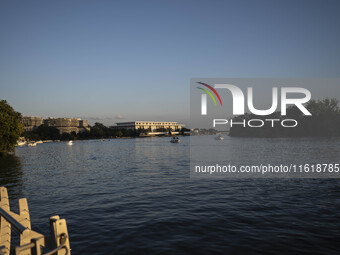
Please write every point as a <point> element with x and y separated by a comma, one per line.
<point>5,226</point>
<point>31,242</point>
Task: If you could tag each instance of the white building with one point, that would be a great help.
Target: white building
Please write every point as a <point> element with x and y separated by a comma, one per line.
<point>150,126</point>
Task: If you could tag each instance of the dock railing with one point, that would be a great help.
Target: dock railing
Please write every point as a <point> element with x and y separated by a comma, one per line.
<point>31,242</point>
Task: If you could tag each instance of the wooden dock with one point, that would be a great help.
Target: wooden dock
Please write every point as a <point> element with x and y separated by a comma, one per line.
<point>31,242</point>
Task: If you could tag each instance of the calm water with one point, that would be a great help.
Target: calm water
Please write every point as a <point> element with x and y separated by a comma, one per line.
<point>130,196</point>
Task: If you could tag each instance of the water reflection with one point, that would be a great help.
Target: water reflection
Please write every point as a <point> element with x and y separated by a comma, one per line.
<point>149,155</point>
<point>11,174</point>
<point>135,196</point>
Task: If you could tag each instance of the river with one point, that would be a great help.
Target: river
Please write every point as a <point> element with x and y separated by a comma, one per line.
<point>130,196</point>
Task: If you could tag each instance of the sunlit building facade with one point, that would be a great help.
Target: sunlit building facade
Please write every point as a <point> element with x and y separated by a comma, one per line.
<point>150,126</point>
<point>64,125</point>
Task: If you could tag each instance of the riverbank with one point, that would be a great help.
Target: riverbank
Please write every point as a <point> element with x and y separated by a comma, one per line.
<point>27,141</point>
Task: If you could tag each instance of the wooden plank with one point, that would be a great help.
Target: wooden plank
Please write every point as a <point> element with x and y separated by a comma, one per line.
<point>30,241</point>
<point>5,226</point>
<point>26,238</point>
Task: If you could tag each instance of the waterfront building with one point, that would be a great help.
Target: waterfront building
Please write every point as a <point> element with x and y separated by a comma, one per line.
<point>67,125</point>
<point>64,125</point>
<point>31,123</point>
<point>150,126</point>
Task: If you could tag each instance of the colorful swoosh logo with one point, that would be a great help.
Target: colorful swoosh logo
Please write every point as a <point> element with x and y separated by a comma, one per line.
<point>209,93</point>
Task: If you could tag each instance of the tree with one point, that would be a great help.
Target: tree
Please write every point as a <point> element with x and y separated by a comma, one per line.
<point>98,130</point>
<point>10,127</point>
<point>324,122</point>
<point>66,137</point>
<point>48,133</point>
<point>119,133</point>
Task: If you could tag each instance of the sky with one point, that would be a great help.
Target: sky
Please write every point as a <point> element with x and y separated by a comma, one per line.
<point>113,61</point>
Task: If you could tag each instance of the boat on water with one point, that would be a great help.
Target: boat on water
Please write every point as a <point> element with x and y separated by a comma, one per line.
<point>32,144</point>
<point>70,142</point>
<point>21,142</point>
<point>219,137</point>
<point>175,139</point>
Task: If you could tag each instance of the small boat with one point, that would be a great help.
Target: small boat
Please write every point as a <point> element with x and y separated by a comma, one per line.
<point>175,140</point>
<point>32,144</point>
<point>219,137</point>
<point>70,142</point>
<point>21,143</point>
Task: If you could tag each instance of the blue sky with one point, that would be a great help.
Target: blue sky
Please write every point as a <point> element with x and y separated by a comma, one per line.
<point>100,59</point>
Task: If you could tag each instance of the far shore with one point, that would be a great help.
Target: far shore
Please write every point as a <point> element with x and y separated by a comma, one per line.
<point>99,139</point>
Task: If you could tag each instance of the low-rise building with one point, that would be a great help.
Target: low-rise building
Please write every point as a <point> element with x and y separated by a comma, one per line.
<point>64,125</point>
<point>67,125</point>
<point>31,123</point>
<point>150,126</point>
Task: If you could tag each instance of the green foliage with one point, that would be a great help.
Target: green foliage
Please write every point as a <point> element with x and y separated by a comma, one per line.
<point>43,132</point>
<point>48,133</point>
<point>119,133</point>
<point>183,130</point>
<point>98,131</point>
<point>84,135</point>
<point>10,127</point>
<point>101,131</point>
<point>31,136</point>
<point>162,129</point>
<point>66,137</point>
<point>204,131</point>
<point>327,107</point>
<point>324,122</point>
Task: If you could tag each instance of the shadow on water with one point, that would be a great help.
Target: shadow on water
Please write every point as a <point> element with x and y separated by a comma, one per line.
<point>11,174</point>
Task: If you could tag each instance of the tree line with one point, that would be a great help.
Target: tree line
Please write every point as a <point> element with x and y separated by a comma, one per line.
<point>10,127</point>
<point>98,131</point>
<point>11,130</point>
<point>324,122</point>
